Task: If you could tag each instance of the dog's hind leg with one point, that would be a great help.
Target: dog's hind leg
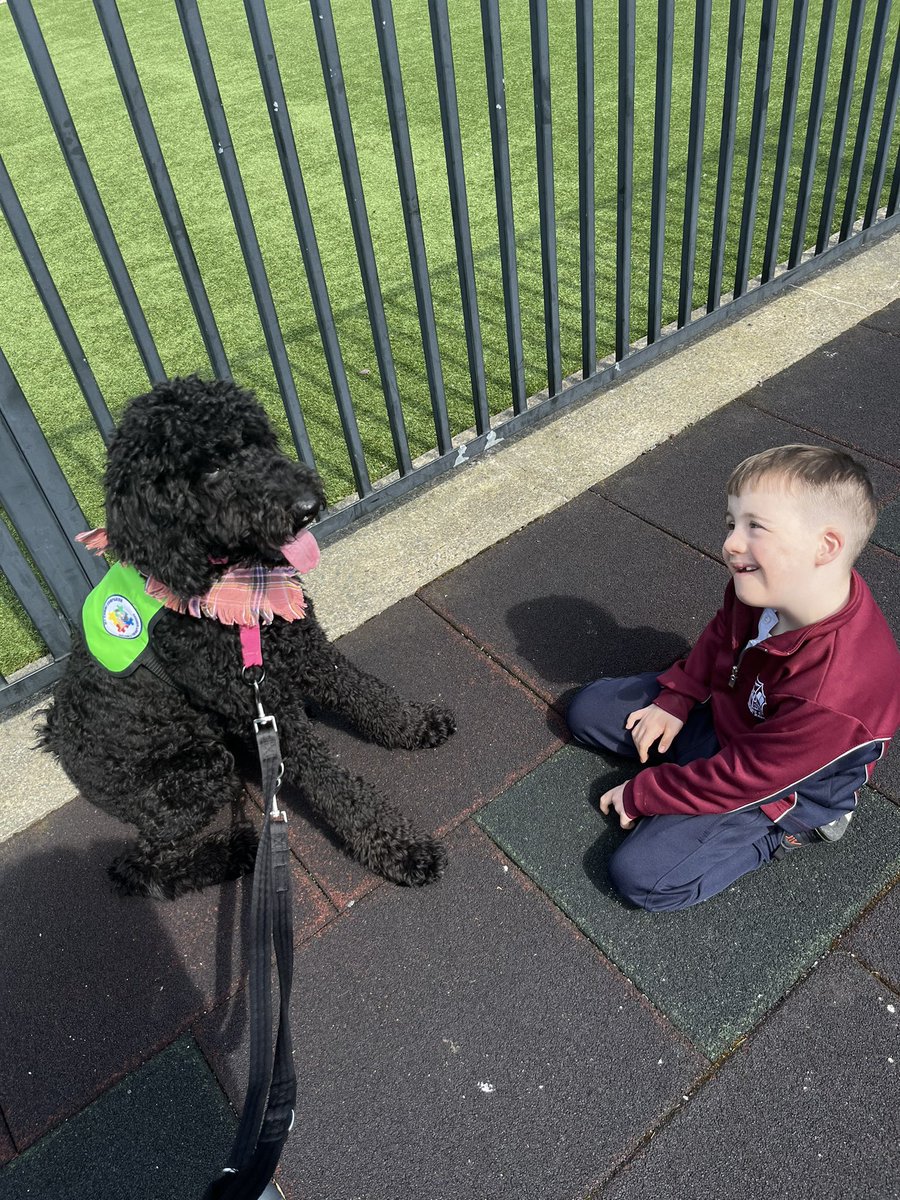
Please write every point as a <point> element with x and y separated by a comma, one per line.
<point>173,854</point>
<point>376,834</point>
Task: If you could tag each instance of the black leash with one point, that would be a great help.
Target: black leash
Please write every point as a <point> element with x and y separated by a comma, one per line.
<point>268,1114</point>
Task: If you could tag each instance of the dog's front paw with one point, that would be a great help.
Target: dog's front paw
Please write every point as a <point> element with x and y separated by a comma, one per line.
<point>400,854</point>
<point>419,862</point>
<point>431,725</point>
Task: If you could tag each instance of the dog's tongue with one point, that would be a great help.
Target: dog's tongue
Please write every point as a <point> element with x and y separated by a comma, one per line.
<point>302,552</point>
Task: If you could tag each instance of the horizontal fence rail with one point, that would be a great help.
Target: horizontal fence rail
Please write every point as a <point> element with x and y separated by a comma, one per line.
<point>472,206</point>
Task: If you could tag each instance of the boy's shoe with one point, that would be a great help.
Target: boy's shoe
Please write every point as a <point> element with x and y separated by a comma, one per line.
<point>793,841</point>
<point>835,830</point>
<point>832,832</point>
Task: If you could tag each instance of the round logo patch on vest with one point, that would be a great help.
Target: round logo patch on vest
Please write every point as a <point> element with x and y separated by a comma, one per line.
<point>121,618</point>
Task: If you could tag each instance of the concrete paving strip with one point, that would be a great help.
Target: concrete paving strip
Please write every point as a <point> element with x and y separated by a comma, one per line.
<point>381,561</point>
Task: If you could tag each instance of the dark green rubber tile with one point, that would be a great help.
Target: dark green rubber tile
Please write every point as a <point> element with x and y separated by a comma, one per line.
<point>93,983</point>
<point>163,1132</point>
<point>681,484</point>
<point>807,1108</point>
<point>714,969</point>
<point>464,1041</point>
<point>846,390</point>
<point>875,939</point>
<point>503,731</point>
<point>587,591</point>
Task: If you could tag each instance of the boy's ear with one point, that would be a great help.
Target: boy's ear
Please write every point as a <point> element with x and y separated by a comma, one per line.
<point>831,543</point>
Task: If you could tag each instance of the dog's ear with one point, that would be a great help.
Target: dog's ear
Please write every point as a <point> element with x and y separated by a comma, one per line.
<point>152,525</point>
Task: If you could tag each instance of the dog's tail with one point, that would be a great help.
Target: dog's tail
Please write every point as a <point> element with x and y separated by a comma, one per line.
<point>44,725</point>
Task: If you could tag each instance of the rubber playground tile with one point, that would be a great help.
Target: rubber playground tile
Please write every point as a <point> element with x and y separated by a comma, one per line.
<point>462,1041</point>
<point>846,390</point>
<point>587,591</point>
<point>714,969</point>
<point>94,983</point>
<point>163,1131</point>
<point>681,484</point>
<point>887,320</point>
<point>7,1149</point>
<point>874,940</point>
<point>887,532</point>
<point>806,1108</point>
<point>881,571</point>
<point>503,731</point>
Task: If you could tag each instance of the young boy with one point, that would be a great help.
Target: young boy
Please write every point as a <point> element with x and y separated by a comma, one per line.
<point>771,724</point>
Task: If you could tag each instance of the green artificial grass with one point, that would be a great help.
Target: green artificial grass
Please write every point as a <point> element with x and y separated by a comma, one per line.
<point>34,161</point>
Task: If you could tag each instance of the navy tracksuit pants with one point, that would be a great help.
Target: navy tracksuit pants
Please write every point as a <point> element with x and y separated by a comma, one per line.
<point>670,862</point>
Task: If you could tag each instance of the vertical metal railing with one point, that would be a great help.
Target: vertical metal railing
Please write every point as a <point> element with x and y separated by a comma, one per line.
<point>757,134</point>
<point>73,152</point>
<point>52,302</point>
<point>496,91</point>
<point>733,61</point>
<point>587,228</point>
<point>459,204</point>
<point>217,124</point>
<point>393,87</point>
<point>888,118</point>
<point>145,132</point>
<point>813,129</point>
<point>279,118</point>
<point>665,35</point>
<point>785,135</point>
<point>543,131</point>
<point>867,109</point>
<point>625,175</point>
<point>860,170</point>
<point>702,18</point>
<point>839,137</point>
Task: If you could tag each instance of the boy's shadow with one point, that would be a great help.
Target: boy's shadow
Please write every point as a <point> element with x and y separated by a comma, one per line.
<point>570,641</point>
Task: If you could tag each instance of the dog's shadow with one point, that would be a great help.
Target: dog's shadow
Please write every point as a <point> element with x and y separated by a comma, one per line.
<point>94,983</point>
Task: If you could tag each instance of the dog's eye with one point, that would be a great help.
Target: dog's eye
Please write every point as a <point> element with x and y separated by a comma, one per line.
<point>212,476</point>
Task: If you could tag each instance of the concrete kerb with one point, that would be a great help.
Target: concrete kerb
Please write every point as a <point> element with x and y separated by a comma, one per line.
<point>389,557</point>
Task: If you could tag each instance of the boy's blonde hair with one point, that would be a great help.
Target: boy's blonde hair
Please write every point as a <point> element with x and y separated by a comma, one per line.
<point>827,476</point>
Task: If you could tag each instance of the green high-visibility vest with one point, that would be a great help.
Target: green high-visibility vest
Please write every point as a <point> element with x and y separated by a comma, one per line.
<point>117,617</point>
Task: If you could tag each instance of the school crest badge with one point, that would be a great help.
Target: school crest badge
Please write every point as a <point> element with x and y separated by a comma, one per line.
<point>757,701</point>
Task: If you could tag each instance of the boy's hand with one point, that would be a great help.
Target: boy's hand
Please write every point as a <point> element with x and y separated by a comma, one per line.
<point>614,799</point>
<point>649,724</point>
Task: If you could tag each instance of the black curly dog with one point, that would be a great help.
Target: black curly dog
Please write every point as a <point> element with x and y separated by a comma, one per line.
<point>194,473</point>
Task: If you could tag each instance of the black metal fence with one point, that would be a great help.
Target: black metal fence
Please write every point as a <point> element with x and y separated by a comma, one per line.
<point>49,574</point>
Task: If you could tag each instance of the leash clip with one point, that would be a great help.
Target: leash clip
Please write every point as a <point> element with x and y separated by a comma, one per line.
<point>266,721</point>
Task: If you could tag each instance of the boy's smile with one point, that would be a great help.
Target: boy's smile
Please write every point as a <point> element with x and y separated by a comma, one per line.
<point>771,551</point>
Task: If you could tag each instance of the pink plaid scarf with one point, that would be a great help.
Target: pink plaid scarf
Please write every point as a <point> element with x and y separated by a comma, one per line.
<point>243,595</point>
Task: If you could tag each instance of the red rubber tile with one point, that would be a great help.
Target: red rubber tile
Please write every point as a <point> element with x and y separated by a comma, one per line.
<point>587,591</point>
<point>680,486</point>
<point>845,390</point>
<point>462,1041</point>
<point>807,1107</point>
<point>503,731</point>
<point>875,940</point>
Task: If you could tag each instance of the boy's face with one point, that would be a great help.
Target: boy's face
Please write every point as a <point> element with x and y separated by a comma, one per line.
<point>772,546</point>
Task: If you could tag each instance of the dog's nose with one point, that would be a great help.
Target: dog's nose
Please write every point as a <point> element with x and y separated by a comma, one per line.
<point>305,508</point>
